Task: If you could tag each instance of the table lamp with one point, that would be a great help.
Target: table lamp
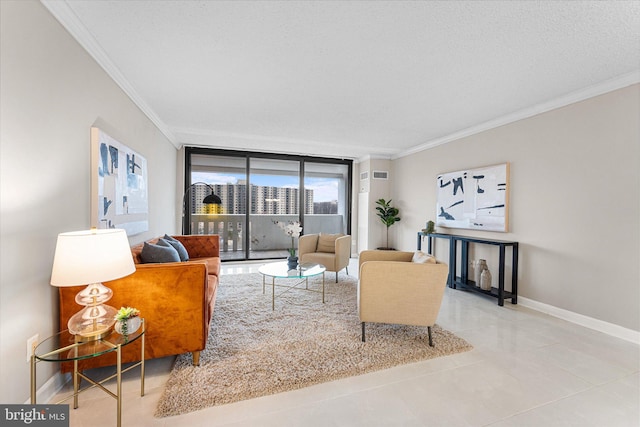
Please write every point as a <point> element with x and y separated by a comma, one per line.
<point>89,258</point>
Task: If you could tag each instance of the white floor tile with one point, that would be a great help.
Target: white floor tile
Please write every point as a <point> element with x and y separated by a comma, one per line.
<point>526,369</point>
<point>612,405</point>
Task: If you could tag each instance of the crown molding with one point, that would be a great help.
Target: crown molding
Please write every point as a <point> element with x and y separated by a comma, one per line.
<point>61,10</point>
<point>244,141</point>
<point>373,157</point>
<point>69,20</point>
<point>568,99</point>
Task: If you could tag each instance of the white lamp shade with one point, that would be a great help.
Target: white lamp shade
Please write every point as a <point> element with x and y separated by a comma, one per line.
<point>91,256</point>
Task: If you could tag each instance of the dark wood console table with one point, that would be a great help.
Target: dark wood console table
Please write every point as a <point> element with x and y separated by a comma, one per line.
<point>463,281</point>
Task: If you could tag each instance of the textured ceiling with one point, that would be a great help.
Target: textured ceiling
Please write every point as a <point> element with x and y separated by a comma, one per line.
<point>352,79</point>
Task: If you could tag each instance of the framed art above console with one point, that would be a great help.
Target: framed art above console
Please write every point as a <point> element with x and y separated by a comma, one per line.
<point>476,199</point>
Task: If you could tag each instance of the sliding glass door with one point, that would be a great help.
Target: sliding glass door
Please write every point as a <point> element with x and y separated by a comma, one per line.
<point>226,177</point>
<point>257,191</point>
<point>275,196</point>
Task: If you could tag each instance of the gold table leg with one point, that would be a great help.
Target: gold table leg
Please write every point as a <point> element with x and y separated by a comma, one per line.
<point>144,329</point>
<point>76,384</point>
<point>33,379</point>
<point>119,383</point>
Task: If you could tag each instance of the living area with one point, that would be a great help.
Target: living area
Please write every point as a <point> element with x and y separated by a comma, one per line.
<point>567,353</point>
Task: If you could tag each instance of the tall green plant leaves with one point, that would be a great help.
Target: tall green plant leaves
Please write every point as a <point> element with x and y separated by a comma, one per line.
<point>387,214</point>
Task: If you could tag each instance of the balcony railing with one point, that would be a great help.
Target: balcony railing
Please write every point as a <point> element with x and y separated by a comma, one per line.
<point>267,240</point>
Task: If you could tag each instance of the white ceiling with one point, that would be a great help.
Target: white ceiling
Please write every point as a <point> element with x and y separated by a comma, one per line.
<point>357,78</point>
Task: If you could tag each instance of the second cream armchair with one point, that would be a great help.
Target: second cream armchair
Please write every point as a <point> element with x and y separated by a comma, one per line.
<point>394,289</point>
<point>331,250</point>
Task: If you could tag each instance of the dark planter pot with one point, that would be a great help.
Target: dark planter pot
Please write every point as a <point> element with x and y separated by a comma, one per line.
<point>292,262</point>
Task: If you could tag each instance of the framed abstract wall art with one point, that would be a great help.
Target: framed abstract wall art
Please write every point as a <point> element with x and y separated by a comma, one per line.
<point>476,199</point>
<point>119,185</point>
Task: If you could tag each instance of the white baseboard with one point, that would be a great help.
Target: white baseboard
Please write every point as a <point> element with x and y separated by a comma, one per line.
<point>49,389</point>
<point>579,319</point>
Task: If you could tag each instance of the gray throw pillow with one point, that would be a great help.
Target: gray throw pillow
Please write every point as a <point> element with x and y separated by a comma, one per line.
<point>177,244</point>
<point>162,252</point>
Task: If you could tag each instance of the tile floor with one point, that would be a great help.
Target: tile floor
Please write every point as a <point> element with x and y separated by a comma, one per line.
<point>526,369</point>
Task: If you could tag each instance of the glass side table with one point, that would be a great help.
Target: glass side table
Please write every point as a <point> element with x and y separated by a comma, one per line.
<point>62,347</point>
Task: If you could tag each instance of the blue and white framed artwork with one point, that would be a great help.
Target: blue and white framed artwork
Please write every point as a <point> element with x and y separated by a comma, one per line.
<point>476,199</point>
<point>119,185</point>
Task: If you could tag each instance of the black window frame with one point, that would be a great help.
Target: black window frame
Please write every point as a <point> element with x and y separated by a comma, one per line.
<point>189,151</point>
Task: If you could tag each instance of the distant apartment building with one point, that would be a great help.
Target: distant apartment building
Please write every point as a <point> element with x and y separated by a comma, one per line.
<point>265,200</point>
<point>327,208</point>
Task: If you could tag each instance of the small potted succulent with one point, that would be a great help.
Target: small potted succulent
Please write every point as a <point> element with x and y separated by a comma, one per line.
<point>430,228</point>
<point>127,320</point>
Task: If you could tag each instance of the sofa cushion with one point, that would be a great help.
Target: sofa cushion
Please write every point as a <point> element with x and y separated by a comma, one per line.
<point>162,252</point>
<point>420,257</point>
<point>213,264</point>
<point>327,242</point>
<point>182,251</point>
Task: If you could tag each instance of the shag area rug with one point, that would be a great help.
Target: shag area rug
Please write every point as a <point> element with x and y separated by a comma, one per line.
<point>253,351</point>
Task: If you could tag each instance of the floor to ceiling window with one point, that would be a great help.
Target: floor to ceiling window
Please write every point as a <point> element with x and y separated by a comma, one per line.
<point>275,196</point>
<point>328,185</point>
<point>257,190</point>
<point>226,177</point>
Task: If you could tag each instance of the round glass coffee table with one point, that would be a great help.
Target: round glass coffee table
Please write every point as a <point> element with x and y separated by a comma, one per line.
<point>280,270</point>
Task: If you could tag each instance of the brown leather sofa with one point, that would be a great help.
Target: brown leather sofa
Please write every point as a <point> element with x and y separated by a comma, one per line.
<point>176,300</point>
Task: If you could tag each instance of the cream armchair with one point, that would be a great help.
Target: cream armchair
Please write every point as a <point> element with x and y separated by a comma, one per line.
<point>331,250</point>
<point>393,289</point>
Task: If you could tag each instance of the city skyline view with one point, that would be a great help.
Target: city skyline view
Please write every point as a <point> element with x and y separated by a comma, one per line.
<point>263,200</point>
<point>324,189</point>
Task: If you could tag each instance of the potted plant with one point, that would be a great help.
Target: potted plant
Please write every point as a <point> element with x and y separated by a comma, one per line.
<point>430,228</point>
<point>388,215</point>
<point>127,320</point>
<point>293,230</point>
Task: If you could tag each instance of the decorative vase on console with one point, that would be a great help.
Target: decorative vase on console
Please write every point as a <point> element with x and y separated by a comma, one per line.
<point>485,280</point>
<point>480,266</point>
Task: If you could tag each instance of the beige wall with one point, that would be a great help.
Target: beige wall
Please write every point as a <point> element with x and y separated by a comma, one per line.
<point>52,92</point>
<point>575,202</point>
<point>372,233</point>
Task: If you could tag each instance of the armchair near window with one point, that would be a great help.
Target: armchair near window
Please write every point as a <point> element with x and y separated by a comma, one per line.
<point>393,289</point>
<point>331,250</point>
